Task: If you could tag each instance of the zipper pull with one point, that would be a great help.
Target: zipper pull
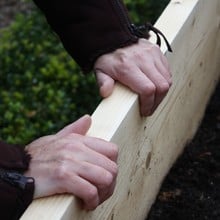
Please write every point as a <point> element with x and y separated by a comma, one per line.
<point>15,179</point>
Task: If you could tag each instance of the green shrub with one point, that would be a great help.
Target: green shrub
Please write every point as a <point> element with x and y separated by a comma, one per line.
<point>145,10</point>
<point>41,87</point>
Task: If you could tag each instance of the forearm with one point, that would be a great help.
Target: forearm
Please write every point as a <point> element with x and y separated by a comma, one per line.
<point>89,28</point>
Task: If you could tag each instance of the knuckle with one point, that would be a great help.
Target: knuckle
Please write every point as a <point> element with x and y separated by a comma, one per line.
<point>149,89</point>
<point>124,69</point>
<point>108,179</point>
<point>122,57</point>
<point>163,87</point>
<point>61,171</point>
<point>123,62</point>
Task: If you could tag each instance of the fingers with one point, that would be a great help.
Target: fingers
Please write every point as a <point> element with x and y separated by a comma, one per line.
<point>161,81</point>
<point>73,163</point>
<point>97,176</point>
<point>105,194</point>
<point>105,82</point>
<point>155,67</point>
<point>93,185</point>
<point>143,68</point>
<point>77,152</point>
<point>144,86</point>
<point>94,164</point>
<point>81,126</point>
<point>84,190</point>
<point>108,149</point>
<point>163,69</point>
<point>91,150</point>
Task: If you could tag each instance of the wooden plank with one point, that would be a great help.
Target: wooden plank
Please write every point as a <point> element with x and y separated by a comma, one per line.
<point>149,146</point>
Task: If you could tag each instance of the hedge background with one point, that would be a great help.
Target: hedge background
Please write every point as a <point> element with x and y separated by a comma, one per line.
<point>41,87</point>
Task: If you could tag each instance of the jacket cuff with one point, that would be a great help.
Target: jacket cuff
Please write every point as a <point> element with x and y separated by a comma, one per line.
<point>88,30</point>
<point>14,157</point>
<point>16,193</point>
<point>16,190</point>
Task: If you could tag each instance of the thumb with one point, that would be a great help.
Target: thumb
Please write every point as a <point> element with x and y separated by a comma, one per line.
<point>81,126</point>
<point>105,82</point>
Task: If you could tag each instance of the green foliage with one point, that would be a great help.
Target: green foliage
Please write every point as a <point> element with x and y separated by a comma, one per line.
<point>145,10</point>
<point>41,87</point>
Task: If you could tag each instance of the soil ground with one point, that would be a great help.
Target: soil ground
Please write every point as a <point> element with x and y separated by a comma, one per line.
<point>191,190</point>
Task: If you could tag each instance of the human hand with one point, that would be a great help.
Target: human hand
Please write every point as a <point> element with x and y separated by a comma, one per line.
<point>142,67</point>
<point>70,162</point>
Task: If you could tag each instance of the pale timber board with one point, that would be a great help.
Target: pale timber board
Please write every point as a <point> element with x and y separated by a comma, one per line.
<point>149,146</point>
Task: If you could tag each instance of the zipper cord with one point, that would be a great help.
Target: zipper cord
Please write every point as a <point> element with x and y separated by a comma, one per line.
<point>142,31</point>
<point>15,179</point>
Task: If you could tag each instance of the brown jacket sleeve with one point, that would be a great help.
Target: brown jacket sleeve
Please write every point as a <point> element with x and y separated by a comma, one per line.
<point>89,28</point>
<point>16,190</point>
